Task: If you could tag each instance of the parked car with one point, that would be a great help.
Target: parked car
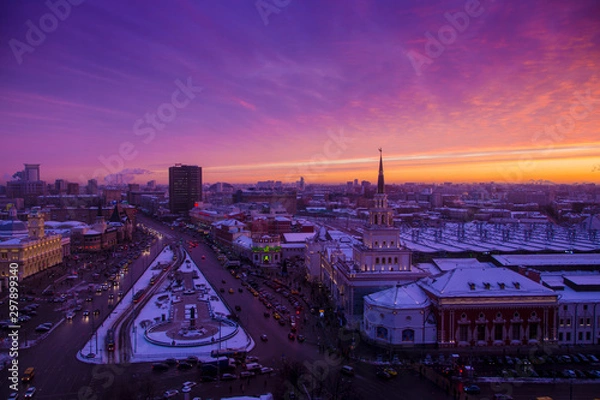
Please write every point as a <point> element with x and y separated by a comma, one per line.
<point>184,365</point>
<point>170,393</point>
<point>192,359</point>
<point>381,374</point>
<point>228,377</point>
<point>159,367</point>
<point>472,389</point>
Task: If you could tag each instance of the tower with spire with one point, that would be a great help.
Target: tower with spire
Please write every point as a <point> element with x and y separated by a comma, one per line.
<point>380,215</point>
<point>381,249</point>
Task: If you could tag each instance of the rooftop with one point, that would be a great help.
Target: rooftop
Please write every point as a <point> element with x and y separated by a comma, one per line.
<point>483,282</point>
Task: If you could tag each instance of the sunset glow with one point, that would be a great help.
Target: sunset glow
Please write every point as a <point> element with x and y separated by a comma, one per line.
<point>451,90</point>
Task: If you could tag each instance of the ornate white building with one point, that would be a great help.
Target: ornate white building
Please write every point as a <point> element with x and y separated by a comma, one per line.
<point>28,246</point>
<point>401,315</point>
<point>352,269</point>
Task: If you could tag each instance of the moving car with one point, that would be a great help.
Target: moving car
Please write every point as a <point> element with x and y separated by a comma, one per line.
<point>30,392</point>
<point>264,337</point>
<point>347,370</point>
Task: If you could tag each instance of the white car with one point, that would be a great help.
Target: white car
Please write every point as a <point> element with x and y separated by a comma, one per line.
<point>30,392</point>
<point>266,370</point>
<point>170,393</point>
<point>187,386</point>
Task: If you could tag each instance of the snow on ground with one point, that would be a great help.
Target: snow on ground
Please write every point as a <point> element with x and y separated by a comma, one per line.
<point>97,342</point>
<point>145,351</point>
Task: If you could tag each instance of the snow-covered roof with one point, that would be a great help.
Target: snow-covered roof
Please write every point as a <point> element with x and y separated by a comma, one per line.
<point>63,224</point>
<point>297,237</point>
<point>228,222</point>
<point>584,280</point>
<point>536,260</point>
<point>568,294</point>
<point>447,264</point>
<point>402,296</point>
<point>293,246</point>
<point>483,282</point>
<point>243,241</point>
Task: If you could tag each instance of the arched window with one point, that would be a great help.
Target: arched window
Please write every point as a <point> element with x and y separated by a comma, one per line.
<point>376,260</point>
<point>408,335</point>
<point>395,260</point>
<point>382,333</point>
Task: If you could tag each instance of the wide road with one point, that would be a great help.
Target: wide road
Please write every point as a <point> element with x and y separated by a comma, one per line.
<point>59,375</point>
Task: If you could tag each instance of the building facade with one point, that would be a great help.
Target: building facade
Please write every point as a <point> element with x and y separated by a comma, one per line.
<point>486,306</point>
<point>28,246</point>
<point>352,269</point>
<point>185,188</point>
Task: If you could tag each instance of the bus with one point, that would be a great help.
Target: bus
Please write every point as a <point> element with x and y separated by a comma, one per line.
<point>28,375</point>
<point>109,340</point>
<point>138,295</point>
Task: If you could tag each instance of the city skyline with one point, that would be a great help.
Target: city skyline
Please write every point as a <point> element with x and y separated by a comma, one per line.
<point>460,91</point>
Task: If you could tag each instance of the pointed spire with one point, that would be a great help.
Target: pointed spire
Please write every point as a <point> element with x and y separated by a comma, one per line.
<point>115,217</point>
<point>380,184</point>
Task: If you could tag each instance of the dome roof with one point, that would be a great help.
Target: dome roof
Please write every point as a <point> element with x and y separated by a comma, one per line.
<point>405,296</point>
<point>13,227</point>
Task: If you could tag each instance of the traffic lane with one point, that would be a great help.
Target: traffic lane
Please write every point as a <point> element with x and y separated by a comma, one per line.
<point>57,350</point>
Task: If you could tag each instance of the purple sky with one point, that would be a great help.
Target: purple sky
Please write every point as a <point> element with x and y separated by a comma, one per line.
<point>512,94</point>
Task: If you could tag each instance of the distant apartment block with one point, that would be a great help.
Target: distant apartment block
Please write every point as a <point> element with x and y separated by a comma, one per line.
<point>185,188</point>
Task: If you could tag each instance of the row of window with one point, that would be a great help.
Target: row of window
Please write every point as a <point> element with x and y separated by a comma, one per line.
<point>389,260</point>
<point>384,244</point>
<point>585,307</point>
<point>567,336</point>
<point>498,332</point>
<point>582,321</point>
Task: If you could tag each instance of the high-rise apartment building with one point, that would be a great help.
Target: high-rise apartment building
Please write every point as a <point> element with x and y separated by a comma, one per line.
<point>185,187</point>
